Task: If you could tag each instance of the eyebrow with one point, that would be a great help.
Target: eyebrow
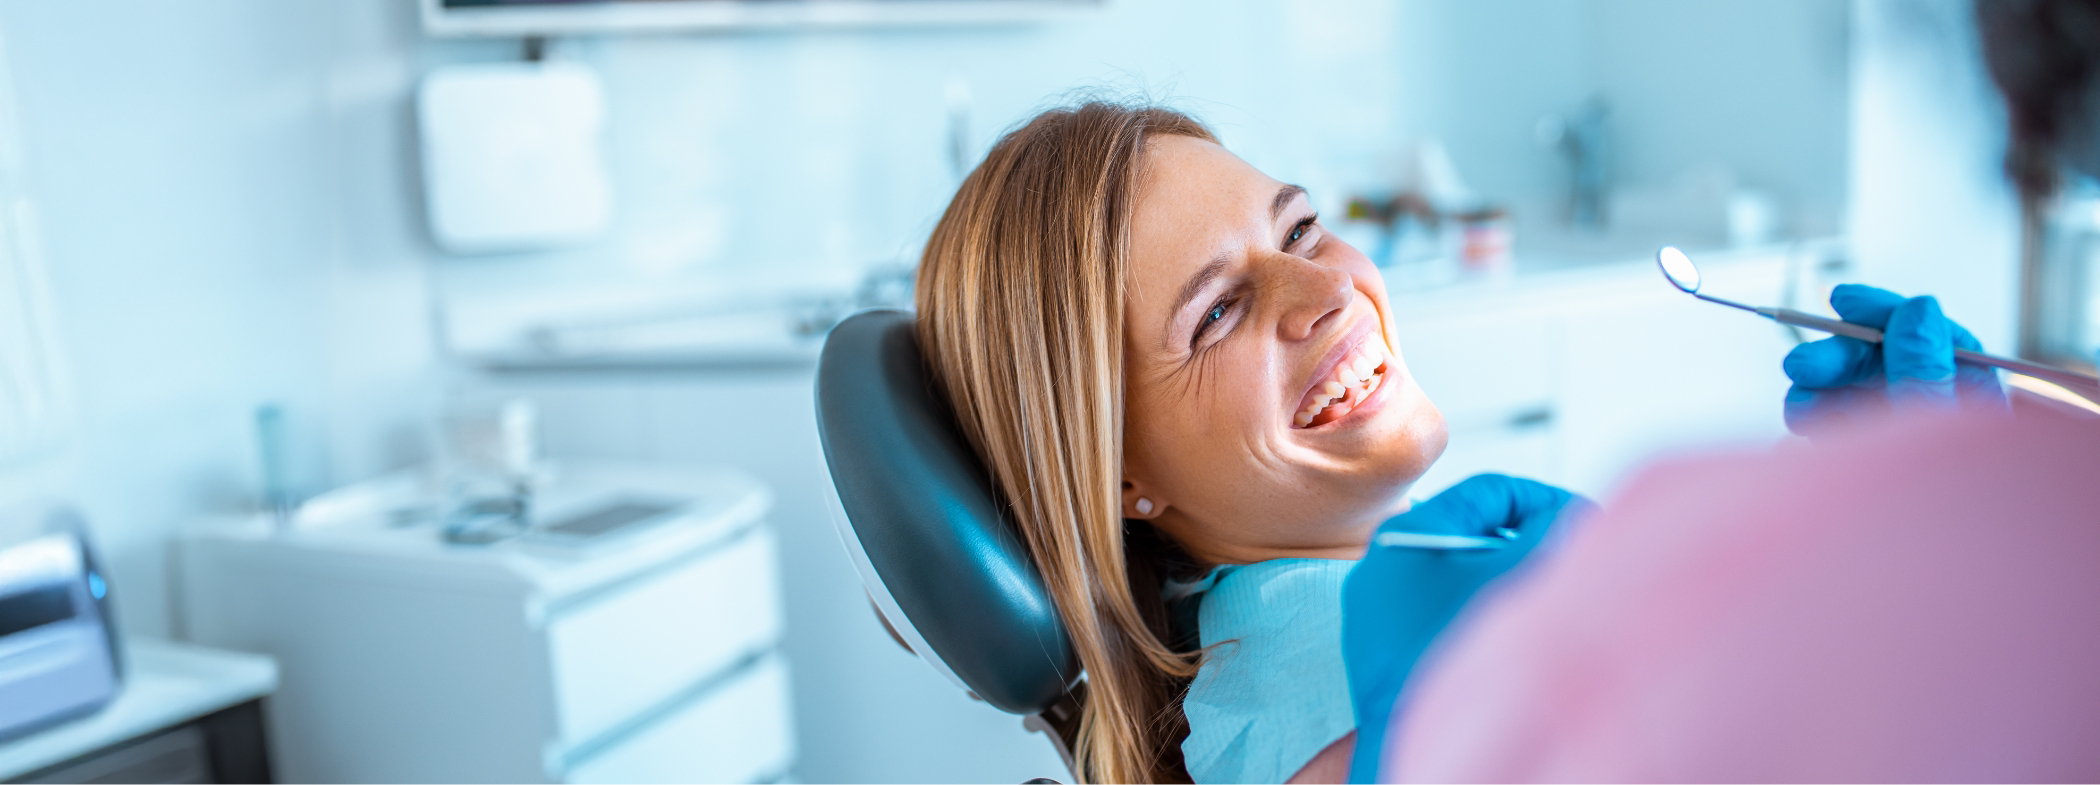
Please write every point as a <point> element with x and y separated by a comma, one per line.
<point>1284,196</point>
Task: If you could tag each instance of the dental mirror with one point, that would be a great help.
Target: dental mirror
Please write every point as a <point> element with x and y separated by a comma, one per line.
<point>1678,268</point>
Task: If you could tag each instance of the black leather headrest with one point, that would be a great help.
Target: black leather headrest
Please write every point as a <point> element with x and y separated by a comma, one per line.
<point>922,517</point>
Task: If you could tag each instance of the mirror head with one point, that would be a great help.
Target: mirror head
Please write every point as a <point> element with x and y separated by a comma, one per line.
<point>1678,267</point>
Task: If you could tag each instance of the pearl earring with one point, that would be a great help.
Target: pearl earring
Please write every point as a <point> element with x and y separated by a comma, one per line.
<point>1144,506</point>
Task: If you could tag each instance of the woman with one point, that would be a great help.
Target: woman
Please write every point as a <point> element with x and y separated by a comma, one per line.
<point>1173,371</point>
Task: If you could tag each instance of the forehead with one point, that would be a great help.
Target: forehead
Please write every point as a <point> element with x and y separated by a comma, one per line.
<point>1187,178</point>
<point>1196,202</point>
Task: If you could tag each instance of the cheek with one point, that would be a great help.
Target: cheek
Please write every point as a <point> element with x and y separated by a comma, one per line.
<point>1365,277</point>
<point>1344,256</point>
<point>1234,406</point>
<point>1177,424</point>
<point>1415,437</point>
<point>1217,415</point>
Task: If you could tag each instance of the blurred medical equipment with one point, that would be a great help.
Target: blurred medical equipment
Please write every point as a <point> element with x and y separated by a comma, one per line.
<point>1397,600</point>
<point>1683,274</point>
<point>489,464</point>
<point>273,452</point>
<point>58,645</point>
<point>512,156</point>
<point>631,634</point>
<point>1408,539</point>
<point>1579,136</point>
<point>945,570</point>
<point>484,18</point>
<point>185,714</point>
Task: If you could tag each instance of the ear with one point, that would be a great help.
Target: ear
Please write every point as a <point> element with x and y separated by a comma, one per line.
<point>1134,491</point>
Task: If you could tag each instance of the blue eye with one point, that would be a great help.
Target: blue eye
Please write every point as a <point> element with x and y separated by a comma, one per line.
<point>1298,231</point>
<point>1210,317</point>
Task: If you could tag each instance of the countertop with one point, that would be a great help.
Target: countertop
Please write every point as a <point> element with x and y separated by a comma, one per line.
<point>165,684</point>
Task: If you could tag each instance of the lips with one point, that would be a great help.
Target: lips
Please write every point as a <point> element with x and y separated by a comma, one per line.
<point>1353,370</point>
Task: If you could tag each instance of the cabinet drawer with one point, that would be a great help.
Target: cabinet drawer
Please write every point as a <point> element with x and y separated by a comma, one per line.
<point>1482,369</point>
<point>621,654</point>
<point>740,731</point>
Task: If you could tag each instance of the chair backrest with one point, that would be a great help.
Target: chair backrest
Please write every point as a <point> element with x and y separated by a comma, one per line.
<point>927,528</point>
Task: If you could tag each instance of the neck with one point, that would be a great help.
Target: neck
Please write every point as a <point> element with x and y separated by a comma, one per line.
<point>1206,548</point>
<point>1230,554</point>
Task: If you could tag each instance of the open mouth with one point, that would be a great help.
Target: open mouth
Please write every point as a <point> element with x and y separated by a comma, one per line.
<point>1354,378</point>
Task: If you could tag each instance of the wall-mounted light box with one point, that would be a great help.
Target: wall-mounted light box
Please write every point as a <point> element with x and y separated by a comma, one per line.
<point>512,156</point>
<point>582,17</point>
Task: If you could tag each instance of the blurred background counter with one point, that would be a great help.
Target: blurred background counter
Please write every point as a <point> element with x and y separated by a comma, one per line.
<point>185,713</point>
<point>638,643</point>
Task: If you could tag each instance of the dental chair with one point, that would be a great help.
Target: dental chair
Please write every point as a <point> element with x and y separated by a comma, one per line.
<point>948,575</point>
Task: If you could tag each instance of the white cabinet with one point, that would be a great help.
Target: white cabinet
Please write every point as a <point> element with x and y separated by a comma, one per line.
<point>746,725</point>
<point>650,659</point>
<point>1579,376</point>
<point>614,657</point>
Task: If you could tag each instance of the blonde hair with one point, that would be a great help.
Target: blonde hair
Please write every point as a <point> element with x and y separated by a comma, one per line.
<point>1020,298</point>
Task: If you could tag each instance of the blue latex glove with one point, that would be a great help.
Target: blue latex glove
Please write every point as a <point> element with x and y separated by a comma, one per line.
<point>1912,366</point>
<point>1398,599</point>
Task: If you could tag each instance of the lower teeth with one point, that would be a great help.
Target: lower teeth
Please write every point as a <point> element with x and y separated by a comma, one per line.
<point>1369,385</point>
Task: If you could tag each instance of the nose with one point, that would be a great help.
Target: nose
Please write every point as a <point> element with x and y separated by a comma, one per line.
<point>1312,295</point>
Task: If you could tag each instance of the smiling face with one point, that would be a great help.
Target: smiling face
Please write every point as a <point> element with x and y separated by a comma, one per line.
<point>1268,411</point>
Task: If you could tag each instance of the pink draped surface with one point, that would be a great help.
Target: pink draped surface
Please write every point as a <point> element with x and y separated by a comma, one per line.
<point>1916,601</point>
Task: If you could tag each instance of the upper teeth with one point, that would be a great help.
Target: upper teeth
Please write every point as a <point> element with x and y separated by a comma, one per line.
<point>1357,371</point>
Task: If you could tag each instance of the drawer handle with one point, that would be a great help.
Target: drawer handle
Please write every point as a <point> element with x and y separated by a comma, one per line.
<point>1531,418</point>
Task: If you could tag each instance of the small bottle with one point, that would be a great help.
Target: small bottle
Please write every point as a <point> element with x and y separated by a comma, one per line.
<point>1486,235</point>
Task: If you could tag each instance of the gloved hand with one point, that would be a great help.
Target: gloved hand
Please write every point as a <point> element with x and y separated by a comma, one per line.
<point>1399,598</point>
<point>1912,366</point>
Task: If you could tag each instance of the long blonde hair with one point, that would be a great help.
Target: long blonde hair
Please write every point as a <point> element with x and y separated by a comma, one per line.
<point>1020,298</point>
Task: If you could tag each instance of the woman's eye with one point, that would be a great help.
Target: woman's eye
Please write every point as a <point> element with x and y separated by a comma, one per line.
<point>1299,231</point>
<point>1210,317</point>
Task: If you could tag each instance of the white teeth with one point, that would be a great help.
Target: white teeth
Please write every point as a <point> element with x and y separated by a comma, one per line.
<point>1358,371</point>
